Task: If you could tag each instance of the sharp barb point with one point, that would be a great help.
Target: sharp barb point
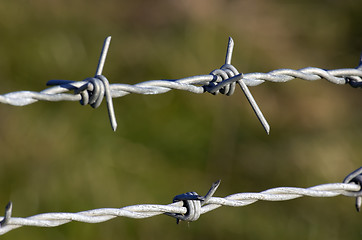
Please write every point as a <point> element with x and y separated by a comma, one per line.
<point>255,106</point>
<point>229,51</point>
<point>114,127</point>
<point>231,41</point>
<point>103,55</point>
<point>217,182</point>
<point>211,192</point>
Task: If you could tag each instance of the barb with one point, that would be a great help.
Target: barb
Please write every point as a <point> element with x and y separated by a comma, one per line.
<point>187,207</point>
<point>193,202</point>
<point>243,86</point>
<point>92,90</point>
<point>356,177</point>
<point>102,60</point>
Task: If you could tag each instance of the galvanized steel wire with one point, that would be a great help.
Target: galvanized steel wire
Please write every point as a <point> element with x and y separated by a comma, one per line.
<point>179,208</point>
<point>194,84</point>
<point>187,206</point>
<point>92,90</point>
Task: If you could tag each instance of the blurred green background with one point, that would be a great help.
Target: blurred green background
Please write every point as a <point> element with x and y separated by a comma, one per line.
<point>64,157</point>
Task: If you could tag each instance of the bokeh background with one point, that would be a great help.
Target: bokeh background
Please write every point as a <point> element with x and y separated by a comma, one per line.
<point>64,157</point>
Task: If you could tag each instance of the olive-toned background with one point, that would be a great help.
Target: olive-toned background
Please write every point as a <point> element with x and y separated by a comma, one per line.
<point>64,157</point>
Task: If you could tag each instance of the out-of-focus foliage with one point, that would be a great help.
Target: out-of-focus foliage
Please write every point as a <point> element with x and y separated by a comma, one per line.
<point>64,156</point>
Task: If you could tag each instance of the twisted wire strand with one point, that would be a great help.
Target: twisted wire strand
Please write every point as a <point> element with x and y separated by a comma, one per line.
<point>150,210</point>
<point>219,80</point>
<point>194,84</point>
<point>223,80</point>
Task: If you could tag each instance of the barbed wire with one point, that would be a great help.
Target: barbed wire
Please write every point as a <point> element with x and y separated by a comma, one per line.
<point>92,90</point>
<point>188,206</point>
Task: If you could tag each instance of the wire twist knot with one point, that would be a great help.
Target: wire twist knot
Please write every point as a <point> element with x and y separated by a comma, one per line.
<point>355,177</point>
<point>193,203</point>
<point>223,82</point>
<point>93,91</point>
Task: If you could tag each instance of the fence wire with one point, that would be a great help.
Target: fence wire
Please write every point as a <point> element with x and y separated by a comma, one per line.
<point>92,90</point>
<point>188,206</point>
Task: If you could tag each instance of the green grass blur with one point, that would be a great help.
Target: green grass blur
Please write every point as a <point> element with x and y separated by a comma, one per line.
<point>64,157</point>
